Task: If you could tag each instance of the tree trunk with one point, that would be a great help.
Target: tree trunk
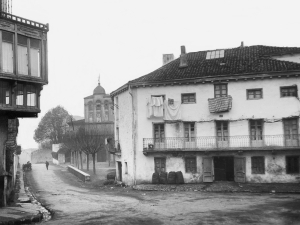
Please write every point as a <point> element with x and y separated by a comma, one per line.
<point>87,162</point>
<point>77,159</point>
<point>81,165</point>
<point>94,162</point>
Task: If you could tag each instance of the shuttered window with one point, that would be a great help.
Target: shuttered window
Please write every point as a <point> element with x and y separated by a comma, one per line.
<point>258,165</point>
<point>190,165</point>
<point>222,130</point>
<point>189,131</point>
<point>7,52</point>
<point>256,129</point>
<point>159,132</point>
<point>160,165</point>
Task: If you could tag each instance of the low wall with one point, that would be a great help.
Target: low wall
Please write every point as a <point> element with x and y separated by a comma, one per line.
<point>80,174</point>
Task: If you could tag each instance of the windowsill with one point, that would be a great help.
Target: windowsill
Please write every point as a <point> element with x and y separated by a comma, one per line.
<point>254,98</point>
<point>288,96</point>
<point>188,103</point>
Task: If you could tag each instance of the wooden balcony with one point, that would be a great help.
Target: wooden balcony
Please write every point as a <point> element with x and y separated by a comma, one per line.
<point>213,143</point>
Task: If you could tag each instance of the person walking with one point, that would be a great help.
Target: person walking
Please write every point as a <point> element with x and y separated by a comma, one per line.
<point>47,164</point>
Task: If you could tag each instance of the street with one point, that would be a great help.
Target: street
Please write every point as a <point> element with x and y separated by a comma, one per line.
<point>75,203</point>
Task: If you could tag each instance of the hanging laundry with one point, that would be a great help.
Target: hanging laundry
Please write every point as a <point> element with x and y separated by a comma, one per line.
<point>172,112</point>
<point>155,107</point>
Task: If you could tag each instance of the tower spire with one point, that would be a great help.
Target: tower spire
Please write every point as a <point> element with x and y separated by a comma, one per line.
<point>99,80</point>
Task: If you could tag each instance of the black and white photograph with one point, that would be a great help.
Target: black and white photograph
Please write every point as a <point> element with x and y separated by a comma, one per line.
<point>139,112</point>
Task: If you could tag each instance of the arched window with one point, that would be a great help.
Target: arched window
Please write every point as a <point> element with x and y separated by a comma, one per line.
<point>106,110</point>
<point>91,112</point>
<point>98,111</point>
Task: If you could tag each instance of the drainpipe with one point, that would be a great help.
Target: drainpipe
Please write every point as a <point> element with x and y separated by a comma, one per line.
<point>133,135</point>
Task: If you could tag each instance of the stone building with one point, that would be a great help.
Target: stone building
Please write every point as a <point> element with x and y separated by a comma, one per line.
<point>215,115</point>
<point>98,114</point>
<point>23,72</point>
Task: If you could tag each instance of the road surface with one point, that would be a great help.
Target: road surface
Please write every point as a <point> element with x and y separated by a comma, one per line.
<point>74,203</point>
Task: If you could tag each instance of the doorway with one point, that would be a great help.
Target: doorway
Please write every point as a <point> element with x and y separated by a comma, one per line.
<point>224,168</point>
<point>120,170</point>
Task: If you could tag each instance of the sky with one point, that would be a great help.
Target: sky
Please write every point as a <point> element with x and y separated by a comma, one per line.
<point>124,39</point>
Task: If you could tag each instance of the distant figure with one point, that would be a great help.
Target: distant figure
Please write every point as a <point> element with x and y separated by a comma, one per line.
<point>47,164</point>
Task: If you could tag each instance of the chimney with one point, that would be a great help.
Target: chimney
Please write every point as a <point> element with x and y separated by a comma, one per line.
<point>183,58</point>
<point>167,58</point>
<point>242,44</point>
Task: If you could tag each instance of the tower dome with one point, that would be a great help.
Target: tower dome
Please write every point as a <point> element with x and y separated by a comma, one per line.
<point>99,90</point>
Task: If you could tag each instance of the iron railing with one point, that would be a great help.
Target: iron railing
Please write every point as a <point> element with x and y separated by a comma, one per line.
<point>213,142</point>
<point>24,21</point>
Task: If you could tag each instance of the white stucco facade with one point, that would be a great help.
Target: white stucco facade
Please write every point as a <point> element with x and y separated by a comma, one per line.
<point>133,126</point>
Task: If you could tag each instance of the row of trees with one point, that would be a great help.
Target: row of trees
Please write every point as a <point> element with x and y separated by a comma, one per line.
<point>86,142</point>
<point>54,129</point>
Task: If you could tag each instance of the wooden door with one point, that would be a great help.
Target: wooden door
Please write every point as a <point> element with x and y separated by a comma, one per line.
<point>240,169</point>
<point>208,174</point>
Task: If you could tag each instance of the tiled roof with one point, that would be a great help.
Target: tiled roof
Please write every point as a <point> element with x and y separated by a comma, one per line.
<point>236,61</point>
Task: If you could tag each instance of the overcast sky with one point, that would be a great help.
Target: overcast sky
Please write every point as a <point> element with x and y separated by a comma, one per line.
<point>125,39</point>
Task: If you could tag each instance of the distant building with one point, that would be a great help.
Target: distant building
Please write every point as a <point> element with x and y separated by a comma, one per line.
<point>23,72</point>
<point>215,115</point>
<point>98,114</point>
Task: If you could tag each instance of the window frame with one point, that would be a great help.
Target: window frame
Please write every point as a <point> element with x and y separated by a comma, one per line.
<point>255,89</point>
<point>254,123</point>
<point>287,87</point>
<point>288,169</point>
<point>161,139</point>
<point>190,138</point>
<point>256,167</point>
<point>215,85</point>
<point>13,52</point>
<point>188,167</point>
<point>189,95</point>
<point>220,124</point>
<point>288,123</point>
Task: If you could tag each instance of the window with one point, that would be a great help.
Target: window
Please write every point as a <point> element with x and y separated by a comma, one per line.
<point>33,47</point>
<point>7,52</point>
<point>254,94</point>
<point>258,165</point>
<point>256,129</point>
<point>189,131</point>
<point>292,164</point>
<point>20,95</point>
<point>188,98</point>
<point>190,165</point>
<point>98,111</point>
<point>220,90</point>
<point>35,64</point>
<point>159,132</point>
<point>215,54</point>
<point>106,110</point>
<point>288,91</point>
<point>160,165</point>
<point>90,112</point>
<point>31,96</point>
<point>290,128</point>
<point>5,93</point>
<point>22,55</point>
<point>222,130</point>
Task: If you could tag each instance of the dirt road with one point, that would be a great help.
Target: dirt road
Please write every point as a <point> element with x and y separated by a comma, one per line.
<point>74,203</point>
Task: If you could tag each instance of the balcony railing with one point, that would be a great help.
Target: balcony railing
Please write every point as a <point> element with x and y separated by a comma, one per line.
<point>214,143</point>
